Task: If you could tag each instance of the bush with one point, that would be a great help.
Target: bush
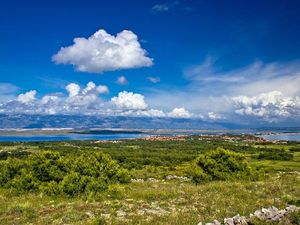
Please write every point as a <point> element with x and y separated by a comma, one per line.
<point>220,164</point>
<point>197,174</point>
<point>51,173</point>
<point>276,155</point>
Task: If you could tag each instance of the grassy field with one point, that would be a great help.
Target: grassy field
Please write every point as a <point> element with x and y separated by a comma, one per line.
<point>154,199</point>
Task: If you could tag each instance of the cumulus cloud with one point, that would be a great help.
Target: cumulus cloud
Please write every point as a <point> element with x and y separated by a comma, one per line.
<point>104,52</point>
<point>213,116</point>
<point>78,101</point>
<point>253,79</point>
<point>49,98</point>
<point>27,97</point>
<point>91,88</point>
<point>129,100</point>
<point>122,80</point>
<point>87,101</point>
<point>73,89</point>
<point>210,88</point>
<point>269,106</point>
<point>180,113</point>
<point>154,79</point>
<point>143,113</point>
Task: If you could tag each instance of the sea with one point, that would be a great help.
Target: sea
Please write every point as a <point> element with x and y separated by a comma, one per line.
<point>282,137</point>
<point>67,137</point>
<point>36,137</point>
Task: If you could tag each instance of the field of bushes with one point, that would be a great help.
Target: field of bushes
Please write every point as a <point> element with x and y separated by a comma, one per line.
<point>144,182</point>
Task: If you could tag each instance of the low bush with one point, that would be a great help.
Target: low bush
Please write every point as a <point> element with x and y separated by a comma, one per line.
<point>278,154</point>
<point>295,149</point>
<point>220,164</point>
<point>51,173</point>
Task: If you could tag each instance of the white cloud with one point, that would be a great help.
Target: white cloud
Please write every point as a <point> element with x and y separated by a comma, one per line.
<point>160,8</point>
<point>92,88</point>
<point>101,89</point>
<point>104,52</point>
<point>151,113</point>
<point>129,100</point>
<point>73,89</point>
<point>180,113</point>
<point>154,79</point>
<point>213,116</point>
<point>89,87</point>
<point>170,5</point>
<point>269,106</point>
<point>49,98</point>
<point>27,97</point>
<point>86,101</point>
<point>253,79</point>
<point>122,80</point>
<point>143,113</point>
<point>211,89</point>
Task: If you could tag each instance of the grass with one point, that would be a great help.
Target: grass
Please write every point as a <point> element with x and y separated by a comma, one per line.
<point>160,201</point>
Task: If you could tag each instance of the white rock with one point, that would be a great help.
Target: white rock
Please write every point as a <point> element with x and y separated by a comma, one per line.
<point>228,221</point>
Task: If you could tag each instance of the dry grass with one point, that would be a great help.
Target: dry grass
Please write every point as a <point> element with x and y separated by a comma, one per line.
<point>162,202</point>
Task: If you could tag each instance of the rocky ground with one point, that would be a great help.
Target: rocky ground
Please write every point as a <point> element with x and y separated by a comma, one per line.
<point>264,214</point>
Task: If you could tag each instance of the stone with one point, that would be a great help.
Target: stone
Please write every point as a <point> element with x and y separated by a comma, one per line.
<point>137,180</point>
<point>215,222</point>
<point>121,213</point>
<point>89,214</point>
<point>239,220</point>
<point>228,221</point>
<point>152,180</point>
<point>292,208</point>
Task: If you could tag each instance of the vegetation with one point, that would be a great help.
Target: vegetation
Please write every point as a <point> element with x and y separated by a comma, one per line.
<point>88,182</point>
<point>276,154</point>
<point>50,173</point>
<point>221,164</point>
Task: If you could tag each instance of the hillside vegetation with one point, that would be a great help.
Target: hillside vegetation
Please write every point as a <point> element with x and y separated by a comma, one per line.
<point>145,182</point>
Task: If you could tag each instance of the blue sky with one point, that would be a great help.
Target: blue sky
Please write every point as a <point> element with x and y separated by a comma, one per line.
<point>214,60</point>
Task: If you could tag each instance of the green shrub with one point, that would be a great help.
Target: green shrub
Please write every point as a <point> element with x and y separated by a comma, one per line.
<point>278,154</point>
<point>9,169</point>
<point>220,164</point>
<point>197,174</point>
<point>24,182</point>
<point>73,183</point>
<point>123,176</point>
<point>50,188</point>
<point>47,166</point>
<point>51,173</point>
<point>295,149</point>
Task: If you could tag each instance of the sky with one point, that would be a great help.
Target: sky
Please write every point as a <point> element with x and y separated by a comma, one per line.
<point>206,59</point>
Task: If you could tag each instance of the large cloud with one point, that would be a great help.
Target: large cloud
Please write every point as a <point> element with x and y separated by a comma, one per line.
<point>209,88</point>
<point>180,113</point>
<point>129,100</point>
<point>87,101</point>
<point>269,106</point>
<point>27,97</point>
<point>104,52</point>
<point>78,101</point>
